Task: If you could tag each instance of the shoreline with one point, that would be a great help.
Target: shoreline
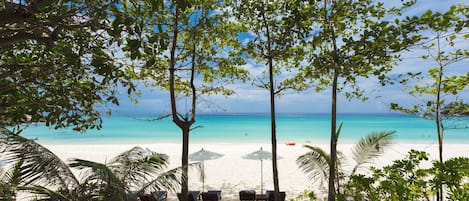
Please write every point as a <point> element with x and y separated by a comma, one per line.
<point>231,173</point>
<point>298,142</point>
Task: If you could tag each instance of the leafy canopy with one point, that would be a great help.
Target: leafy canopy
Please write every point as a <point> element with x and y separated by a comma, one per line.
<point>56,63</point>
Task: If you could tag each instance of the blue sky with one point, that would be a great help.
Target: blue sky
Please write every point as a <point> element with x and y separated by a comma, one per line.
<point>250,99</point>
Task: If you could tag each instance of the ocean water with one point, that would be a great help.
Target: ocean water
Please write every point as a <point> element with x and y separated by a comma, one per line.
<point>300,128</point>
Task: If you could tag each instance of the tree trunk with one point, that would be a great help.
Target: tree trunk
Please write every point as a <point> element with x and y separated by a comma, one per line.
<point>333,159</point>
<point>438,120</point>
<point>185,126</point>
<point>272,112</point>
<point>333,149</point>
<point>185,160</point>
<point>274,133</point>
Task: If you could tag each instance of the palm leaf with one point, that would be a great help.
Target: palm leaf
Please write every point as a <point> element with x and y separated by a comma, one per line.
<point>137,165</point>
<point>337,134</point>
<point>44,194</point>
<point>370,147</point>
<point>314,163</point>
<point>169,180</point>
<point>101,177</point>
<point>39,165</point>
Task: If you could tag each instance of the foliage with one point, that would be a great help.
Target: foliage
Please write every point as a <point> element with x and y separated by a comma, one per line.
<point>187,48</point>
<point>274,34</point>
<point>57,64</point>
<point>305,195</point>
<point>357,39</point>
<point>38,171</point>
<point>406,180</point>
<point>9,180</point>
<point>456,108</point>
<point>350,40</point>
<point>315,163</point>
<point>448,28</point>
<point>201,35</point>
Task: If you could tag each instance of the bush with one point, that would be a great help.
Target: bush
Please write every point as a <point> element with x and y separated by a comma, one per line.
<point>406,180</point>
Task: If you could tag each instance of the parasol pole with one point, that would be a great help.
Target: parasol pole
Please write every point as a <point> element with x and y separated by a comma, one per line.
<point>261,179</point>
<point>203,176</point>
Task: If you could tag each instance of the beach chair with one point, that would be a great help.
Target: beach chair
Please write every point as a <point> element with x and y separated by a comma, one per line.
<point>247,195</point>
<point>133,194</point>
<point>159,195</point>
<point>210,196</point>
<point>195,194</point>
<point>216,191</point>
<point>192,196</point>
<point>145,197</point>
<point>271,196</point>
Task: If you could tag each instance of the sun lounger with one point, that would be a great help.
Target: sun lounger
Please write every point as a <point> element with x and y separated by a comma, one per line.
<point>192,195</point>
<point>247,195</point>
<point>133,194</point>
<point>159,195</point>
<point>145,197</point>
<point>272,198</point>
<point>216,191</point>
<point>210,196</point>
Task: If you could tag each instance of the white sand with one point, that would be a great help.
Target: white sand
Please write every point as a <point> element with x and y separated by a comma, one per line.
<point>231,173</point>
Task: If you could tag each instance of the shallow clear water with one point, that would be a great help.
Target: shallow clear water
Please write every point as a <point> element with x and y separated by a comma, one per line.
<point>314,128</point>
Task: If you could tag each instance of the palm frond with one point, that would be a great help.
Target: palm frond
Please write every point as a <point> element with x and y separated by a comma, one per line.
<point>11,173</point>
<point>39,165</point>
<point>101,177</point>
<point>370,147</point>
<point>44,194</point>
<point>169,180</point>
<point>137,165</point>
<point>5,174</point>
<point>337,133</point>
<point>315,163</point>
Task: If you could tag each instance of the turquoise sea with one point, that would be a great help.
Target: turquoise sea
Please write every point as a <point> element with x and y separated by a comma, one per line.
<point>300,128</point>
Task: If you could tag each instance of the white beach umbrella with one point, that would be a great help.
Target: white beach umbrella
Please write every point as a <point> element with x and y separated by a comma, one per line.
<point>260,155</point>
<point>204,155</point>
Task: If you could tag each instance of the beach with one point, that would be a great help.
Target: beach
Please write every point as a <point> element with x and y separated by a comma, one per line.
<point>231,173</point>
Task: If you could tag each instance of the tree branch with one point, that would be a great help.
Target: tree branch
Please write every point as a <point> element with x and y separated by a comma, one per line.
<point>22,36</point>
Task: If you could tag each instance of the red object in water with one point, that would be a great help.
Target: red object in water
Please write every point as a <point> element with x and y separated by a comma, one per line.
<point>290,143</point>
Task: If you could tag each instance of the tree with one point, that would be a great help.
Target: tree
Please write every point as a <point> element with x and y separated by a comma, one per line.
<point>455,109</point>
<point>275,39</point>
<point>37,170</point>
<point>352,40</point>
<point>56,65</point>
<point>188,48</point>
<point>316,162</point>
<point>442,48</point>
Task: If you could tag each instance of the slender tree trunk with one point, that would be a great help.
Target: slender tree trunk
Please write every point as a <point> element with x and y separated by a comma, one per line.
<point>438,120</point>
<point>333,159</point>
<point>185,160</point>
<point>185,128</point>
<point>333,149</point>
<point>274,133</point>
<point>272,112</point>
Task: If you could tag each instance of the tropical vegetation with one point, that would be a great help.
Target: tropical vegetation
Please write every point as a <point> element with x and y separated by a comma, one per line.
<point>175,43</point>
<point>62,62</point>
<point>315,163</point>
<point>273,41</point>
<point>404,179</point>
<point>34,169</point>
